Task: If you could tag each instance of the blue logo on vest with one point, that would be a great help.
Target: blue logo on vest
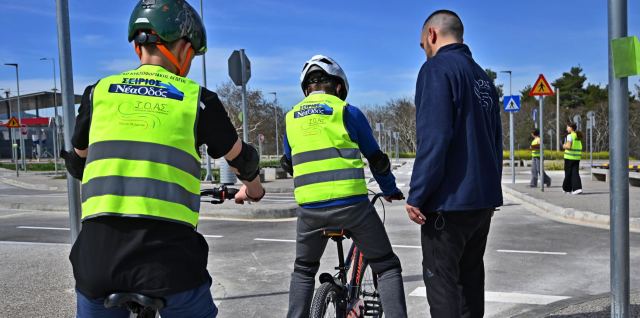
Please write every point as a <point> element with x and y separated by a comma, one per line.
<point>313,109</point>
<point>146,87</point>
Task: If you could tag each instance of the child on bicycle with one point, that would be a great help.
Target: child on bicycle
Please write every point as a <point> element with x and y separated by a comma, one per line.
<point>324,140</point>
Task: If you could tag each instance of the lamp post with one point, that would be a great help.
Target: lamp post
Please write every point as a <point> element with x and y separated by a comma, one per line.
<point>275,112</point>
<point>23,162</point>
<point>209,175</point>
<point>55,113</point>
<point>511,137</point>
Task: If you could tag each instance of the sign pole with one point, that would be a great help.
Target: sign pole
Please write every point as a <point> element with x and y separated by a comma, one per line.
<point>619,172</point>
<point>558,119</point>
<point>68,109</point>
<point>541,143</point>
<point>14,150</point>
<point>245,115</point>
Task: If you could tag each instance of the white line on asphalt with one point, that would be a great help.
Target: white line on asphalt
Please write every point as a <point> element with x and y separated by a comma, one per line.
<point>532,252</point>
<point>43,228</point>
<point>212,236</point>
<point>33,243</point>
<point>512,298</point>
<point>273,240</point>
<point>406,246</point>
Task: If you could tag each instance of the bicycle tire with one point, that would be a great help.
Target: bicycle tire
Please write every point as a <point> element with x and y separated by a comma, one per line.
<point>326,295</point>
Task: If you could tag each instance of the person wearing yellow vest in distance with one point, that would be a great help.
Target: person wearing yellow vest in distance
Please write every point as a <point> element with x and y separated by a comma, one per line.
<point>535,161</point>
<point>136,143</point>
<point>324,140</point>
<point>572,155</point>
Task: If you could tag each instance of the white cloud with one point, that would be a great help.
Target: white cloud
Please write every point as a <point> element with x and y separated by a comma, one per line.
<point>120,65</point>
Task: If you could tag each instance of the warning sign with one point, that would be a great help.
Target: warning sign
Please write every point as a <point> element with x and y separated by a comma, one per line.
<point>13,123</point>
<point>541,87</point>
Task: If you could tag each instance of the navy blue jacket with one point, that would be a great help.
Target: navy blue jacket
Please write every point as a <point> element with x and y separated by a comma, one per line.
<point>458,162</point>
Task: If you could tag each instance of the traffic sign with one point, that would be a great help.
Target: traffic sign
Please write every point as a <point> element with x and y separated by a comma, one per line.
<point>541,87</point>
<point>235,68</point>
<point>511,103</point>
<point>13,123</point>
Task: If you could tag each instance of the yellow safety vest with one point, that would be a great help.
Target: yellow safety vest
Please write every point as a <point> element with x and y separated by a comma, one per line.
<point>575,153</point>
<point>535,153</point>
<point>142,158</point>
<point>327,164</point>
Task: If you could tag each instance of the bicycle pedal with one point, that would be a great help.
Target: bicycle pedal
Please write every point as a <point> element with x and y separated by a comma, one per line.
<point>372,308</point>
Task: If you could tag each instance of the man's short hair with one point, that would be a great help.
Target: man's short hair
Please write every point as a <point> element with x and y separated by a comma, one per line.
<point>448,22</point>
<point>536,132</point>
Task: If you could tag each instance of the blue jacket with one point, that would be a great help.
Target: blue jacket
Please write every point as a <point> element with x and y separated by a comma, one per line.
<point>458,162</point>
<point>360,132</point>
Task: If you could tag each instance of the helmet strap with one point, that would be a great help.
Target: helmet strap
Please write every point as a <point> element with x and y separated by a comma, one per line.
<point>181,69</point>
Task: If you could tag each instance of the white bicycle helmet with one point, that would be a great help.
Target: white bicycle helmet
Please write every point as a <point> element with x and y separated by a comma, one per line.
<point>329,66</point>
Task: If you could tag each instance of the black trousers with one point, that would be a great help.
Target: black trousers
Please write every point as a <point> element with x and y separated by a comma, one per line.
<point>572,180</point>
<point>453,245</point>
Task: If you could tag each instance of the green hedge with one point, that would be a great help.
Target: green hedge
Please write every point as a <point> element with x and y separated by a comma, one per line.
<point>215,172</point>
<point>269,164</point>
<point>34,166</point>
<point>553,155</point>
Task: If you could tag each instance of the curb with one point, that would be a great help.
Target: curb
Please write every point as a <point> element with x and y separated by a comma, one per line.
<point>27,186</point>
<point>567,215</point>
<point>261,213</point>
<point>33,207</point>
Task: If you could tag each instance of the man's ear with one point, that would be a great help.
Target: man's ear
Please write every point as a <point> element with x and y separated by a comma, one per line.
<point>433,36</point>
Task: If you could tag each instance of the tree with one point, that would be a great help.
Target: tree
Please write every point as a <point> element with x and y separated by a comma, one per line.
<point>493,76</point>
<point>571,87</point>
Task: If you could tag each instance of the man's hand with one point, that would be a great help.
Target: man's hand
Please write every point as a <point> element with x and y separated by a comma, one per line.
<point>415,215</point>
<point>243,196</point>
<point>74,163</point>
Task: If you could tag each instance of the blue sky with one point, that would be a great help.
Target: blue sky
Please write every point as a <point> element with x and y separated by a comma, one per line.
<point>376,42</point>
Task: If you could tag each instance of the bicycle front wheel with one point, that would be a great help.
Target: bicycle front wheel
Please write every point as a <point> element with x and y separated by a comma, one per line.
<point>325,302</point>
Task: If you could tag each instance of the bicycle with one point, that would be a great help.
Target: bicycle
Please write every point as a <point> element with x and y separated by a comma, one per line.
<point>142,306</point>
<point>359,296</point>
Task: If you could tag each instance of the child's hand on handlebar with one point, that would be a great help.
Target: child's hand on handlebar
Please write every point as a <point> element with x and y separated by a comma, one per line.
<point>243,195</point>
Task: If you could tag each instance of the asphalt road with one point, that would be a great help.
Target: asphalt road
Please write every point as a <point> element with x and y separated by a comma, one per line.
<point>530,261</point>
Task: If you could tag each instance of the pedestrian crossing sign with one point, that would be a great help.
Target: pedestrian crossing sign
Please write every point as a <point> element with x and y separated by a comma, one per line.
<point>541,87</point>
<point>13,123</point>
<point>511,103</point>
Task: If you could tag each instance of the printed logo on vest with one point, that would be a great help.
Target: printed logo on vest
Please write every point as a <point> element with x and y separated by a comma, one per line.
<point>146,87</point>
<point>313,109</point>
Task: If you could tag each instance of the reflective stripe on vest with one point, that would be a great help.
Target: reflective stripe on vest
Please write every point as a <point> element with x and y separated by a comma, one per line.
<point>327,165</point>
<point>535,153</point>
<point>142,159</point>
<point>575,153</point>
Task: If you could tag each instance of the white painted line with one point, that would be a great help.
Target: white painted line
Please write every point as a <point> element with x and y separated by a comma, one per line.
<point>531,252</point>
<point>511,298</point>
<point>212,236</point>
<point>43,228</point>
<point>33,243</point>
<point>273,240</point>
<point>406,246</point>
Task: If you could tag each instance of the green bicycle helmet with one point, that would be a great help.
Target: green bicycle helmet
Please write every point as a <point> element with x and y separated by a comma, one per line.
<point>169,20</point>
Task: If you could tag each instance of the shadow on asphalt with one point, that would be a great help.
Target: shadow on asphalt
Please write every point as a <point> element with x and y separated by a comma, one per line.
<point>634,311</point>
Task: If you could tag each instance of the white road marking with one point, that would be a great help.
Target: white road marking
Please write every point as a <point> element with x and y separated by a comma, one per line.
<point>406,246</point>
<point>43,228</point>
<point>33,243</point>
<point>511,298</point>
<point>531,252</point>
<point>212,236</point>
<point>273,240</point>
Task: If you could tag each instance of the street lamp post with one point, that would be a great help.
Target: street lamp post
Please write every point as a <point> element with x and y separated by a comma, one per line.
<point>275,112</point>
<point>55,113</point>
<point>23,162</point>
<point>511,137</point>
<point>209,175</point>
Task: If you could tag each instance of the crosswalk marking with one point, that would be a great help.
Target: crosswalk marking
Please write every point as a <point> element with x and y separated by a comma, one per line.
<point>502,297</point>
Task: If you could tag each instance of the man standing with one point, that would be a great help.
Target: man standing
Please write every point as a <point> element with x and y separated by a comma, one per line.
<point>324,139</point>
<point>535,161</point>
<point>136,143</point>
<point>455,185</point>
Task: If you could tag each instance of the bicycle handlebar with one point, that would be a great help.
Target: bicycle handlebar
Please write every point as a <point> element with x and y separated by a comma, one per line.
<point>219,194</point>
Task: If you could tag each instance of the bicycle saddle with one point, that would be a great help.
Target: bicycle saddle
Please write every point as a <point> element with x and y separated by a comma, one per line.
<point>335,232</point>
<point>125,299</point>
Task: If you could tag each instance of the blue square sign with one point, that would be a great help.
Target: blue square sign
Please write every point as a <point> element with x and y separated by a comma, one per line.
<point>512,103</point>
